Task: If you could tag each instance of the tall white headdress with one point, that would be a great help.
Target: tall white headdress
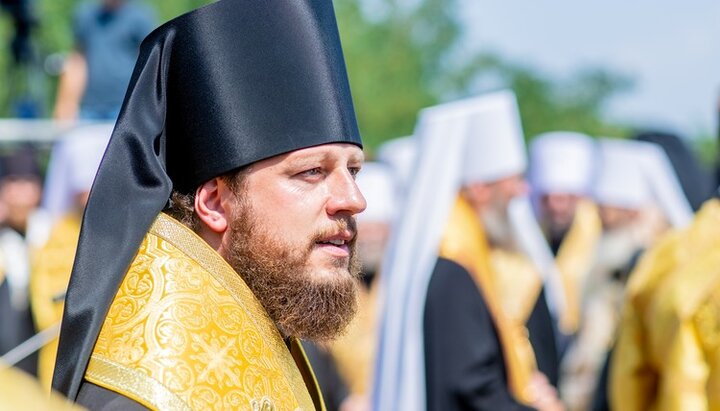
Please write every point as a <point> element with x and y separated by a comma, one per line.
<point>562,162</point>
<point>635,174</point>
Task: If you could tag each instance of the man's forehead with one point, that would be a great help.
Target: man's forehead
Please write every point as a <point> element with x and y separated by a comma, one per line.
<point>351,152</point>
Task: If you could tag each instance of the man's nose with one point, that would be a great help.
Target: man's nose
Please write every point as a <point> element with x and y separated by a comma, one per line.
<point>345,196</point>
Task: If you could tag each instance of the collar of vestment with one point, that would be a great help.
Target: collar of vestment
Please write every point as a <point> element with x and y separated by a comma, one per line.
<point>184,332</point>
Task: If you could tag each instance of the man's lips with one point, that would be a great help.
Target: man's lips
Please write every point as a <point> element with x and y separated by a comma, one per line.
<point>337,244</point>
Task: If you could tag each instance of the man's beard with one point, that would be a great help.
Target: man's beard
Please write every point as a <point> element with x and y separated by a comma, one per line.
<point>302,303</point>
<point>498,228</point>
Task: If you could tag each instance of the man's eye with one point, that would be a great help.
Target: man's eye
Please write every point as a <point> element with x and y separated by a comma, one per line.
<point>312,172</point>
<point>354,171</point>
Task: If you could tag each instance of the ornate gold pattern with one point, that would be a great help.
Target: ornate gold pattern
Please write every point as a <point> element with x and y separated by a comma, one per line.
<point>465,243</point>
<point>183,319</point>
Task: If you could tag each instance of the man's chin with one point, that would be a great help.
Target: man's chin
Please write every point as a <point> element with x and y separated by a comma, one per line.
<point>324,310</point>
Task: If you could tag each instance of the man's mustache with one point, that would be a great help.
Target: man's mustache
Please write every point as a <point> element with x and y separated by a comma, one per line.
<point>340,225</point>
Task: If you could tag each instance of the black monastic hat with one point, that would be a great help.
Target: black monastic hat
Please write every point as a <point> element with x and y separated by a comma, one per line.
<point>219,88</point>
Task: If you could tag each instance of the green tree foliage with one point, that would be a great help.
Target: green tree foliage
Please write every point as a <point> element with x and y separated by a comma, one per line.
<point>403,56</point>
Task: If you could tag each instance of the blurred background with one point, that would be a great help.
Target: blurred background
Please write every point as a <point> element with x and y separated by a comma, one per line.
<point>602,69</point>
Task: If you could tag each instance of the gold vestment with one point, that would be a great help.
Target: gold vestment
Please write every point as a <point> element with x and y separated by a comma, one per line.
<point>51,269</point>
<point>668,353</point>
<point>184,332</point>
<point>574,261</point>
<point>20,391</point>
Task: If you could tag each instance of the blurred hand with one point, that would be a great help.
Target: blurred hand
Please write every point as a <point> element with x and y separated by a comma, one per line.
<point>544,395</point>
<point>355,403</point>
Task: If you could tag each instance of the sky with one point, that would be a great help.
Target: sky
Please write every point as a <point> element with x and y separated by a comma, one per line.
<point>670,48</point>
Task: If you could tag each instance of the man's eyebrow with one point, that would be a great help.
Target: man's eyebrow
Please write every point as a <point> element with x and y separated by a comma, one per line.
<point>357,157</point>
<point>313,158</point>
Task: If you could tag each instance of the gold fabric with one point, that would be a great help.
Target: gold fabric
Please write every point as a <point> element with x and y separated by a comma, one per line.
<point>509,270</point>
<point>185,329</point>
<point>19,391</point>
<point>51,268</point>
<point>668,353</point>
<point>354,352</point>
<point>574,261</point>
<point>465,243</point>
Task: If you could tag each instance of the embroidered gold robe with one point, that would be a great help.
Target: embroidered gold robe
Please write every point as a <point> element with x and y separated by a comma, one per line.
<point>668,353</point>
<point>184,332</point>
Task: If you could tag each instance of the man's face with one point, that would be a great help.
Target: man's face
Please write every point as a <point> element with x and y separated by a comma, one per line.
<point>19,197</point>
<point>292,237</point>
<point>615,218</point>
<point>558,211</point>
<point>372,242</point>
<point>491,201</point>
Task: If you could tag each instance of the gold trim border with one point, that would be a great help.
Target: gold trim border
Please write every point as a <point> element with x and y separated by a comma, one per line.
<point>132,384</point>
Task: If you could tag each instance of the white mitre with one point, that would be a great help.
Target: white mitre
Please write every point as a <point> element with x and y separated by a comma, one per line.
<point>495,147</point>
<point>562,162</point>
<point>376,184</point>
<point>400,154</point>
<point>635,175</point>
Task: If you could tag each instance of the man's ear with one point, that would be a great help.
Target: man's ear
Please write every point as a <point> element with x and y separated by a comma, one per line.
<point>212,200</point>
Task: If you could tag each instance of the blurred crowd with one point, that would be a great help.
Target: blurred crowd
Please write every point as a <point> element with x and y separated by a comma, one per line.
<point>592,257</point>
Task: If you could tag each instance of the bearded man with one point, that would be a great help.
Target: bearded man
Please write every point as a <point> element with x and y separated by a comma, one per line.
<point>220,227</point>
<point>451,337</point>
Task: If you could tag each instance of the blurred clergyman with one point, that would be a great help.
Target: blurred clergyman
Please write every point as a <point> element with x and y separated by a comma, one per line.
<point>450,338</point>
<point>639,198</point>
<point>562,174</point>
<point>562,171</point>
<point>666,353</point>
<point>667,356</point>
<point>24,229</point>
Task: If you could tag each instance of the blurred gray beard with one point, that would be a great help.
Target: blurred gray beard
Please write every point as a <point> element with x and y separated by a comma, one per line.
<point>301,304</point>
<point>371,255</point>
<point>617,247</point>
<point>499,230</point>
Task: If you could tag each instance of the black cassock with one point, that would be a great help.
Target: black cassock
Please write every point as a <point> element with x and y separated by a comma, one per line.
<point>97,398</point>
<point>16,326</point>
<point>542,329</point>
<point>465,369</point>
